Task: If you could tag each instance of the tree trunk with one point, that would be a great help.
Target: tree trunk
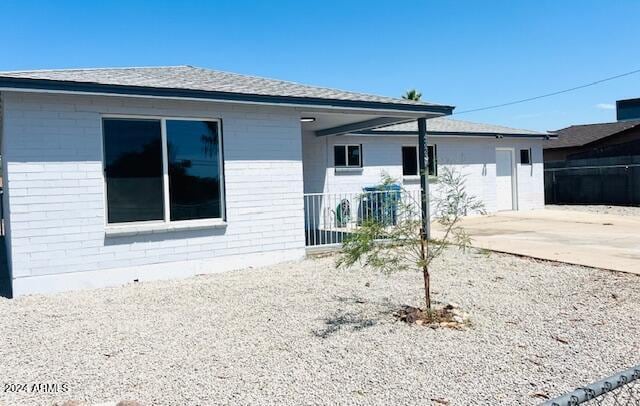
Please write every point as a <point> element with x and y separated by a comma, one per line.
<point>425,269</point>
<point>427,288</point>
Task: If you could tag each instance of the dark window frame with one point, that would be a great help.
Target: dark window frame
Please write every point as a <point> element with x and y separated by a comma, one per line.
<point>346,156</point>
<point>417,164</point>
<point>133,170</point>
<point>194,194</point>
<point>165,170</point>
<point>432,171</point>
<point>529,160</point>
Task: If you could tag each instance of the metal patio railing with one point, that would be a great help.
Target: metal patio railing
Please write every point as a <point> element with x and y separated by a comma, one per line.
<point>331,217</point>
<point>622,388</point>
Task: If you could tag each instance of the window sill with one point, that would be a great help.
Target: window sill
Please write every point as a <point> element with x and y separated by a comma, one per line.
<point>346,169</point>
<point>416,178</point>
<point>154,228</point>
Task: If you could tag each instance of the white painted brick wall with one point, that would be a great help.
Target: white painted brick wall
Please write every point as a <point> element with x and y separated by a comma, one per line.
<point>473,157</point>
<point>53,167</point>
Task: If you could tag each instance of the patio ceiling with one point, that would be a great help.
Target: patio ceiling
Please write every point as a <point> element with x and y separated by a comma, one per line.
<point>340,123</point>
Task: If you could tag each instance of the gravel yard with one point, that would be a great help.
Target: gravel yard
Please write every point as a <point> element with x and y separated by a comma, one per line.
<point>304,333</point>
<point>600,209</point>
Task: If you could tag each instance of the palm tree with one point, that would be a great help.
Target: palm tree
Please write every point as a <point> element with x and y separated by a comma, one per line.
<point>412,94</point>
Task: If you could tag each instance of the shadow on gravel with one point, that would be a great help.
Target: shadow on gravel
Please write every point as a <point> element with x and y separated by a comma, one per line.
<point>339,321</point>
<point>352,320</point>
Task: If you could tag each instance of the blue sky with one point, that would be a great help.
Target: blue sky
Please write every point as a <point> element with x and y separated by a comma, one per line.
<point>466,53</point>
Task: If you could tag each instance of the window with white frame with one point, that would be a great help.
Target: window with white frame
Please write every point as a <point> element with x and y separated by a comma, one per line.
<point>162,169</point>
<point>410,161</point>
<point>347,156</point>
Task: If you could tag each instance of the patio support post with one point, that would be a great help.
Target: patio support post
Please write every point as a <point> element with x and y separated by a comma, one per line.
<point>423,158</point>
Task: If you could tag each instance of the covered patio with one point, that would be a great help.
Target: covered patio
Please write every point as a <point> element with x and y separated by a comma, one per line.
<point>331,216</point>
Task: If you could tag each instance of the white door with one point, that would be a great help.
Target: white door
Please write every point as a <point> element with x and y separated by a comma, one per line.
<point>504,179</point>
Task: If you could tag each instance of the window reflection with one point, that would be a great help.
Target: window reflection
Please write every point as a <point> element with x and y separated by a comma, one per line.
<point>133,169</point>
<point>194,169</point>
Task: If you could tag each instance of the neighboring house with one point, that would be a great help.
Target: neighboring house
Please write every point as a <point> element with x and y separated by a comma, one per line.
<point>594,141</point>
<point>594,164</point>
<point>126,174</point>
<point>502,166</point>
<point>628,109</point>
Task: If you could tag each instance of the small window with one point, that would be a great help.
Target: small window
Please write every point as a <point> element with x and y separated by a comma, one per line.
<point>409,161</point>
<point>347,156</point>
<point>525,156</point>
<point>340,155</point>
<point>353,155</point>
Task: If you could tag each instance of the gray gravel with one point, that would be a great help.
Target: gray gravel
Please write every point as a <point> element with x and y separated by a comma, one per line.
<point>304,333</point>
<point>600,209</point>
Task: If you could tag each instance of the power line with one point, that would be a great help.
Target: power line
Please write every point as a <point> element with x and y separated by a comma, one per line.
<point>549,94</point>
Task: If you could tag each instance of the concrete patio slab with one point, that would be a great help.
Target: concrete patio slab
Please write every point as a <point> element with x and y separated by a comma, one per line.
<point>597,240</point>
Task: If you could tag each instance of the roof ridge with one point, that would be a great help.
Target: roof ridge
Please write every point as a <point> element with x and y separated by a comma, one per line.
<point>632,122</point>
<point>95,69</point>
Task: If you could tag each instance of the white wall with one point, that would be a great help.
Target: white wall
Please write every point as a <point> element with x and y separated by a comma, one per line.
<point>473,157</point>
<point>53,162</point>
<point>530,177</point>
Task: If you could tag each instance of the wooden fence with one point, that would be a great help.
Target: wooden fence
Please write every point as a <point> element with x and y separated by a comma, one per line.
<point>612,181</point>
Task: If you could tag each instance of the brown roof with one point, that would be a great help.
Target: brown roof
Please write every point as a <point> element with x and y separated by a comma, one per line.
<point>579,135</point>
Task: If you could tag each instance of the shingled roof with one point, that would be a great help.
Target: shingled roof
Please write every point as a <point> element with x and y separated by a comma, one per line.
<point>204,81</point>
<point>443,125</point>
<point>579,135</point>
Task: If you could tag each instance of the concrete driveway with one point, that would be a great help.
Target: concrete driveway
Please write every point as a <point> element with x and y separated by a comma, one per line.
<point>598,240</point>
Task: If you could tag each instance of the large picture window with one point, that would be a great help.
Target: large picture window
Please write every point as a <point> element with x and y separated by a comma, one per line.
<point>162,169</point>
<point>410,166</point>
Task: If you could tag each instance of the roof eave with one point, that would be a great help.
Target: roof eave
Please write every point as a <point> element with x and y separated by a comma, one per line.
<point>548,148</point>
<point>459,134</point>
<point>57,86</point>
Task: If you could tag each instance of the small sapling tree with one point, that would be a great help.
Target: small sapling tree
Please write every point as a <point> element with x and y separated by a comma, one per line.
<point>401,244</point>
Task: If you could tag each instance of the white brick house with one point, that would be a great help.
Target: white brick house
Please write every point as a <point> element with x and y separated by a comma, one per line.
<point>470,148</point>
<point>116,175</point>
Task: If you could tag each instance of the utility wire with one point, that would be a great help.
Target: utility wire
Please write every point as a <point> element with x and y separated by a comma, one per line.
<point>549,94</point>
